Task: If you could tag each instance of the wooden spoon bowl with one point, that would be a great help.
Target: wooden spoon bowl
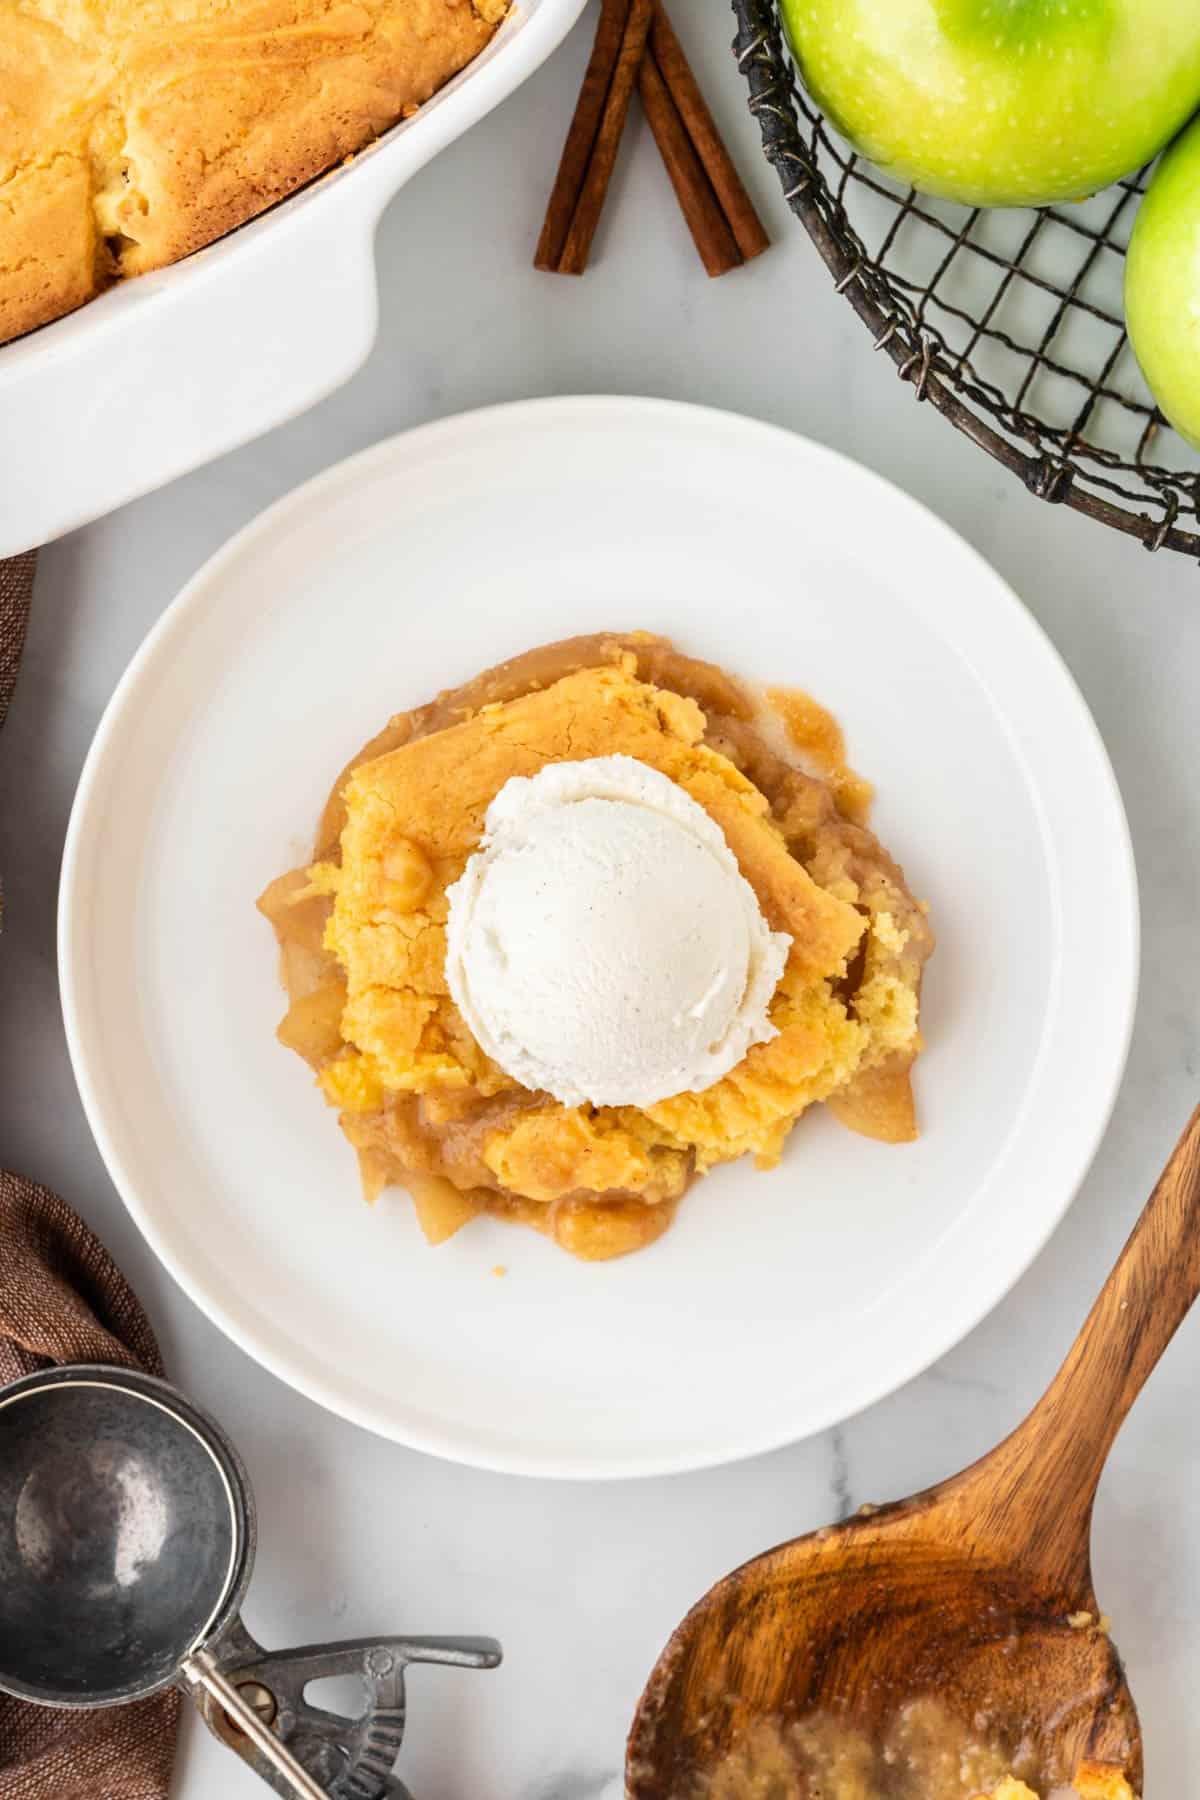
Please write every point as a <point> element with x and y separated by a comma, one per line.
<point>978,1592</point>
<point>858,1621</point>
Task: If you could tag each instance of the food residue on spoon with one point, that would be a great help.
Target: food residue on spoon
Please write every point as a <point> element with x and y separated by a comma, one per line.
<point>927,1753</point>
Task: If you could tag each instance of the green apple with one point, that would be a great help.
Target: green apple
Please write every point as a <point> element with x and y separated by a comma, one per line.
<point>1162,285</point>
<point>1002,102</point>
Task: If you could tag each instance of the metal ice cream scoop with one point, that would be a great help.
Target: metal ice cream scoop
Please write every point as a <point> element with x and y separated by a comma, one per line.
<point>127,1536</point>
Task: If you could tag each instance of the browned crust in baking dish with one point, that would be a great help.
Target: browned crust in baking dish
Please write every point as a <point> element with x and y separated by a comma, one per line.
<point>133,132</point>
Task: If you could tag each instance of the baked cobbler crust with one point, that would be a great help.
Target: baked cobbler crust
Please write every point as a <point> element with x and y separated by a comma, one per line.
<point>363,935</point>
<point>134,131</point>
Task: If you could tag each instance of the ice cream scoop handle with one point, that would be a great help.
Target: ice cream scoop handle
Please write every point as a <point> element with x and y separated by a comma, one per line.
<point>200,1671</point>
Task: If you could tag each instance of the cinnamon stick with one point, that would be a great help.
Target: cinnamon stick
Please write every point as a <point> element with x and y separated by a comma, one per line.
<point>636,44</point>
<point>582,133</point>
<point>698,202</point>
<point>736,204</point>
<point>583,226</point>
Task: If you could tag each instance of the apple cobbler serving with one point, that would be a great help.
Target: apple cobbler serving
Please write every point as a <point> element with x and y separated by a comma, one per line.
<point>584,928</point>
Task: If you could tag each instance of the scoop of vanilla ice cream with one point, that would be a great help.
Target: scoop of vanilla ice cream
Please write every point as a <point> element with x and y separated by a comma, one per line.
<point>602,943</point>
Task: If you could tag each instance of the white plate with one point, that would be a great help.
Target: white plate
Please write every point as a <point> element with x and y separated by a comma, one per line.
<point>778,1304</point>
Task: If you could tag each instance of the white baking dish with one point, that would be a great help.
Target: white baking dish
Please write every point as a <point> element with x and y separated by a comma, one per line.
<point>160,374</point>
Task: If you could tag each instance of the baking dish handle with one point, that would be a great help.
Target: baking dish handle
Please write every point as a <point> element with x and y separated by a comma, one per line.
<point>163,373</point>
<point>166,372</point>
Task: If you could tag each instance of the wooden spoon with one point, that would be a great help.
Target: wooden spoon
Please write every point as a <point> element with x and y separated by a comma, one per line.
<point>978,1591</point>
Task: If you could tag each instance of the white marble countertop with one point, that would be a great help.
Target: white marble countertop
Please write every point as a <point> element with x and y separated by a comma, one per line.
<point>582,1583</point>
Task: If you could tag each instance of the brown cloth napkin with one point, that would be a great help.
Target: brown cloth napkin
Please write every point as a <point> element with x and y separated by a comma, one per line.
<point>63,1299</point>
<point>16,591</point>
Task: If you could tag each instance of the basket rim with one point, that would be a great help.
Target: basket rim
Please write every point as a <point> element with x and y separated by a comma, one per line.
<point>758,50</point>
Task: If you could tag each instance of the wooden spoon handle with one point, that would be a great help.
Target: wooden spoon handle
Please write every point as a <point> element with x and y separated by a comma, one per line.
<point>1042,1481</point>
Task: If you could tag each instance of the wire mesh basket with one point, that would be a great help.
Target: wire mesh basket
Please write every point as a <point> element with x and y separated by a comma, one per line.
<point>1009,321</point>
